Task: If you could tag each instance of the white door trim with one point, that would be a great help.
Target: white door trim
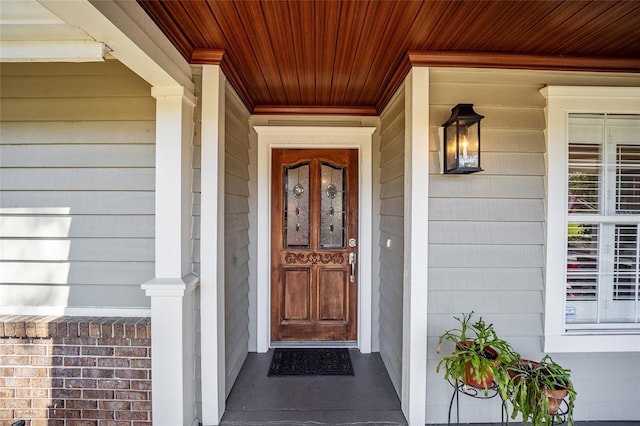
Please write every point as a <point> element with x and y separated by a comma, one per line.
<point>315,137</point>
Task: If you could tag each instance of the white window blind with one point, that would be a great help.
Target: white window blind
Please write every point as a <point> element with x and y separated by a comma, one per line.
<point>603,248</point>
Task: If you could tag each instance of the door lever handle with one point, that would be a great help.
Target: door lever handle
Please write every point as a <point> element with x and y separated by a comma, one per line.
<point>352,262</point>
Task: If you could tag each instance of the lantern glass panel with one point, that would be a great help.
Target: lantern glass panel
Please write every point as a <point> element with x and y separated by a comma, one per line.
<point>469,145</point>
<point>451,147</point>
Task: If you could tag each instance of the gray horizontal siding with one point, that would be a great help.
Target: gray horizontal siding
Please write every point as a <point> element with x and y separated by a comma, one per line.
<point>486,238</point>
<point>391,259</point>
<point>77,185</point>
<point>236,234</point>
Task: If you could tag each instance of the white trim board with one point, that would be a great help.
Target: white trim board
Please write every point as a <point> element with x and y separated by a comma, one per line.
<point>314,137</point>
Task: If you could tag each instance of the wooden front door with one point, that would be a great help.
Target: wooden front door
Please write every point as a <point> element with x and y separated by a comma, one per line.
<point>314,244</point>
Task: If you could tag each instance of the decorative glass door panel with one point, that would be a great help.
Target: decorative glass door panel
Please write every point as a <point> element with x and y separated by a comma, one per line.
<point>296,205</point>
<point>314,244</point>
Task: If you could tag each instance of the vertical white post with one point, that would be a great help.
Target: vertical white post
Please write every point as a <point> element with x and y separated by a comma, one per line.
<point>416,213</point>
<point>170,385</point>
<point>212,246</point>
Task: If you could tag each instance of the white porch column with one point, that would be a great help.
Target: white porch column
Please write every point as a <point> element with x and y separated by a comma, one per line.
<point>416,213</point>
<point>212,245</point>
<point>173,385</point>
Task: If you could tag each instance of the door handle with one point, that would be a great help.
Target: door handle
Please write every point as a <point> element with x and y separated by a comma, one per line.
<point>352,262</point>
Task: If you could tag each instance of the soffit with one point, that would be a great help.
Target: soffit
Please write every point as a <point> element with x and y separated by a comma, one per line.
<point>350,56</point>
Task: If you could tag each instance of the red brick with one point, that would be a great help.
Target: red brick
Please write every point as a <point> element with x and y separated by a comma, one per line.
<point>130,330</point>
<point>30,413</point>
<point>132,395</point>
<point>141,385</point>
<point>82,423</point>
<point>97,350</point>
<point>82,404</point>
<point>7,392</point>
<point>66,350</point>
<point>42,329</point>
<point>118,330</point>
<point>114,405</point>
<point>136,352</point>
<point>94,330</point>
<point>32,393</point>
<point>62,329</point>
<point>61,413</point>
<point>66,393</point>
<point>46,422</point>
<point>142,423</point>
<point>33,349</point>
<point>114,362</point>
<point>7,360</point>
<point>114,384</point>
<point>106,329</point>
<point>97,414</point>
<point>141,342</point>
<point>31,372</point>
<point>141,405</point>
<point>97,394</point>
<point>140,363</point>
<point>81,361</point>
<point>6,372</point>
<point>45,360</point>
<point>113,423</point>
<point>30,328</point>
<point>83,329</point>
<point>80,383</point>
<point>101,373</point>
<point>132,415</point>
<point>40,403</point>
<point>15,403</point>
<point>143,331</point>
<point>14,382</point>
<point>66,372</point>
<point>132,374</point>
<point>80,341</point>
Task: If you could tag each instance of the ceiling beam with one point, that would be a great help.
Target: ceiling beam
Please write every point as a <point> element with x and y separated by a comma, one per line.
<point>52,51</point>
<point>521,61</point>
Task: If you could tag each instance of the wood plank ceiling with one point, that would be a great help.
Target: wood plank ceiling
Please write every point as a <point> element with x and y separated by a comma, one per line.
<point>329,56</point>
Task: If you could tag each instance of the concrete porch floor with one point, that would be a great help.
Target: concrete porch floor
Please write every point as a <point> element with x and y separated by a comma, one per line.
<point>367,398</point>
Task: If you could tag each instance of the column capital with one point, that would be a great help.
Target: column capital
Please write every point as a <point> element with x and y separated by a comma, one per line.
<point>170,287</point>
<point>173,91</point>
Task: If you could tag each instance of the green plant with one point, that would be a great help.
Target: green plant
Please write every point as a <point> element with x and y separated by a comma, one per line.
<point>479,356</point>
<point>530,391</point>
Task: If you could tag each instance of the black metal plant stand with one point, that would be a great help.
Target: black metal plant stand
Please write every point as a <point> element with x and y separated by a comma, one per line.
<point>479,393</point>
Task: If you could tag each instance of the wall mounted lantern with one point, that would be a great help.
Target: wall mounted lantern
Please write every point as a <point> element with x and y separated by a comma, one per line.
<point>461,141</point>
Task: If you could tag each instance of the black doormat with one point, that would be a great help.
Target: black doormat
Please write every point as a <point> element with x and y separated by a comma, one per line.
<point>311,362</point>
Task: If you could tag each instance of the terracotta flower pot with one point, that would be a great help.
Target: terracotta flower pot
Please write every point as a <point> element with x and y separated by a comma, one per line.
<point>555,397</point>
<point>470,375</point>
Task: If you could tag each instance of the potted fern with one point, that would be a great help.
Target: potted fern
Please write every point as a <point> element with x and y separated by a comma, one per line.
<point>537,390</point>
<point>479,358</point>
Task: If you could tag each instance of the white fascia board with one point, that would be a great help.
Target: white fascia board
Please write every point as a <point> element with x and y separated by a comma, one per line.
<point>51,51</point>
<point>128,39</point>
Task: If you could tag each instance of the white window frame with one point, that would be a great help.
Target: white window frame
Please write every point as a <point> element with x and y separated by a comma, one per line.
<point>561,101</point>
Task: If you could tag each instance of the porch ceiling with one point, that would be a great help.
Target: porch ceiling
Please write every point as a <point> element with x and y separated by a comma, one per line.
<point>320,56</point>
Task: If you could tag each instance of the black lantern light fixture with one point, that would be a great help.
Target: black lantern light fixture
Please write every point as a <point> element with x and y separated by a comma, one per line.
<point>461,141</point>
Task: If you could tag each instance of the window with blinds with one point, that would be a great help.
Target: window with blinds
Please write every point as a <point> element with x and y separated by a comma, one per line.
<point>603,248</point>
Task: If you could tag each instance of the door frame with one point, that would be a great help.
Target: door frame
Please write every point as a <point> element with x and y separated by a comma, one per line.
<point>312,137</point>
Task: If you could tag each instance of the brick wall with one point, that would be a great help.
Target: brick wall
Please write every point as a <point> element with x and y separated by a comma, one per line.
<point>75,371</point>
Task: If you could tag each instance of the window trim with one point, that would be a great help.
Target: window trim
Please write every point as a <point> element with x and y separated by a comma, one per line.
<point>561,101</point>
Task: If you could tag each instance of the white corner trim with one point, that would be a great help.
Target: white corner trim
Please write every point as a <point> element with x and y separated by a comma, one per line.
<point>313,137</point>
<point>562,100</point>
<point>52,51</point>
